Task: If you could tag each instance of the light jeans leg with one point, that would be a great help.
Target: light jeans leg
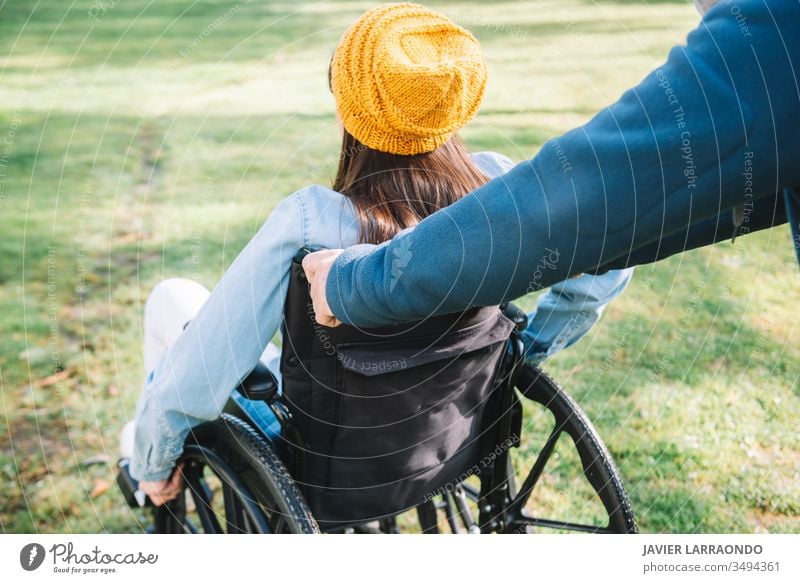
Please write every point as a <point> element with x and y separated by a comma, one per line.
<point>171,304</point>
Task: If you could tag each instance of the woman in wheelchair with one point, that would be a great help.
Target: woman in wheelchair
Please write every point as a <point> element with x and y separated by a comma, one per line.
<point>346,426</point>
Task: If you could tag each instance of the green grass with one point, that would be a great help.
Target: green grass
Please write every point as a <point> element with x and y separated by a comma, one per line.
<point>153,139</point>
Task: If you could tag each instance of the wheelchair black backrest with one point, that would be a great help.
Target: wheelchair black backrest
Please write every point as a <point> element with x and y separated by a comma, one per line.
<point>386,415</point>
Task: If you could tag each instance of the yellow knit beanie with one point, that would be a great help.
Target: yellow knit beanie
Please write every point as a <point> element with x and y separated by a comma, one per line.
<point>406,78</point>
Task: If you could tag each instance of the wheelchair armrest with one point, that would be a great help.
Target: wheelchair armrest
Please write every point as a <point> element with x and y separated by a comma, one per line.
<point>259,385</point>
<point>516,315</point>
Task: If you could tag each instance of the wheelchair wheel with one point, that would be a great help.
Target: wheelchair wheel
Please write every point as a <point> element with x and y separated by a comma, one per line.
<point>525,510</point>
<point>234,482</point>
<point>596,464</point>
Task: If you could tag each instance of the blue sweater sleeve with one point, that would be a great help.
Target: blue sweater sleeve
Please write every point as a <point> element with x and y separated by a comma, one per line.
<point>668,153</point>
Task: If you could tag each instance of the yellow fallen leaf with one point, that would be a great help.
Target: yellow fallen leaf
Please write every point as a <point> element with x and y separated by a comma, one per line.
<point>100,486</point>
<point>54,378</point>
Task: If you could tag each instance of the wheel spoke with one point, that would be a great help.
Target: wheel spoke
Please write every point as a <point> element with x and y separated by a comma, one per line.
<point>190,526</point>
<point>536,472</point>
<point>460,497</point>
<point>450,513</point>
<point>471,492</point>
<point>169,518</point>
<point>524,521</point>
<point>202,501</point>
<point>247,524</point>
<point>233,510</point>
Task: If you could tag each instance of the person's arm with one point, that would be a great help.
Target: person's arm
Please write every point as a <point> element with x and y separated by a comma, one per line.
<point>568,310</point>
<point>219,347</point>
<point>669,153</point>
<point>762,213</point>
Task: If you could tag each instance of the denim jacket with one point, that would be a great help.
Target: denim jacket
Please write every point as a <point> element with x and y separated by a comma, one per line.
<point>225,340</point>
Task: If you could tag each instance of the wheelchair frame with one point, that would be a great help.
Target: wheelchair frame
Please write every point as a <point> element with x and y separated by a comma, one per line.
<point>501,505</point>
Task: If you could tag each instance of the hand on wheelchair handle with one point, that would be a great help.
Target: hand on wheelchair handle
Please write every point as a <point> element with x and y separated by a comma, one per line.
<point>316,266</point>
<point>163,491</point>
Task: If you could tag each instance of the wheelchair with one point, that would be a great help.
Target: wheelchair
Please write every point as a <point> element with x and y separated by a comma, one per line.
<point>402,428</point>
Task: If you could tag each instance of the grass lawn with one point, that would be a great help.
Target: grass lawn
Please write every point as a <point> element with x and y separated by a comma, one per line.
<point>143,140</point>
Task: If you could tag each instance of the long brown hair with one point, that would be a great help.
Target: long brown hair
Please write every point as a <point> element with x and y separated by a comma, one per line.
<point>392,192</point>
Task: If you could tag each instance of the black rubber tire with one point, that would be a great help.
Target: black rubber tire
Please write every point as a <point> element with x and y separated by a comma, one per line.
<point>230,445</point>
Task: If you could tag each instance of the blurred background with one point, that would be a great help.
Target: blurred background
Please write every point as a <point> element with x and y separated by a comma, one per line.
<point>141,140</point>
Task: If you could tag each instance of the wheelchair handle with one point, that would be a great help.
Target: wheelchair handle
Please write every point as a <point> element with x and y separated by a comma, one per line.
<point>516,315</point>
<point>301,253</point>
